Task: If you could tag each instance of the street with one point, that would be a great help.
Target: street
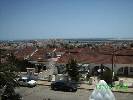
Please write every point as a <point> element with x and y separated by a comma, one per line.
<point>45,93</point>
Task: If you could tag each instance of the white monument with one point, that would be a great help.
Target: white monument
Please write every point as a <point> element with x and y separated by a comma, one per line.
<point>102,92</point>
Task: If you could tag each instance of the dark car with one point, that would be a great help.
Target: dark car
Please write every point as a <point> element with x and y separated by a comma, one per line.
<point>64,86</point>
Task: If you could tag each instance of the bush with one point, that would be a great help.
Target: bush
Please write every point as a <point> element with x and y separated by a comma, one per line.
<point>116,78</point>
<point>73,70</point>
<point>9,94</point>
<point>88,76</point>
<point>11,97</point>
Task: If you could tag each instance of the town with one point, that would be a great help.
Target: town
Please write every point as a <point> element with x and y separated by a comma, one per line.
<point>66,49</point>
<point>45,61</point>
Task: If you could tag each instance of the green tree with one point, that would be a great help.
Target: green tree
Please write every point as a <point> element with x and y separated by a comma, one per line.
<point>8,74</point>
<point>73,70</point>
<point>107,76</point>
<point>12,59</point>
<point>8,80</point>
<point>22,65</point>
<point>131,45</point>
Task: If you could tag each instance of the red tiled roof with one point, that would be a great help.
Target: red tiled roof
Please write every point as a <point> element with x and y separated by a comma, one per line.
<point>101,55</point>
<point>39,55</point>
<point>21,53</point>
<point>90,56</point>
<point>60,50</point>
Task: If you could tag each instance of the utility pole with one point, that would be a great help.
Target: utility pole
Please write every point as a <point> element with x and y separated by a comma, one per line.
<point>112,64</point>
<point>113,54</point>
<point>113,60</point>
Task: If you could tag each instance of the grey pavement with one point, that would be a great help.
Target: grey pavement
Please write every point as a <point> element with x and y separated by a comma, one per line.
<point>45,93</point>
<point>90,87</point>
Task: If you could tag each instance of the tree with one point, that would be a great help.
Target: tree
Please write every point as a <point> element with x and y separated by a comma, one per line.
<point>12,59</point>
<point>131,45</point>
<point>107,76</point>
<point>73,70</point>
<point>22,65</point>
<point>8,75</point>
<point>8,72</point>
<point>8,80</point>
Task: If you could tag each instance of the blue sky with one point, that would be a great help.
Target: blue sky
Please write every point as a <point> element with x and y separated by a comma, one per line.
<point>36,19</point>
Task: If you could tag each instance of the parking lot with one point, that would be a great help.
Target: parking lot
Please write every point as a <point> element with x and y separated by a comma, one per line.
<point>45,93</point>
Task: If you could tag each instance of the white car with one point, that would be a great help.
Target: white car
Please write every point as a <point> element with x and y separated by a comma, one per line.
<point>24,81</point>
<point>32,83</point>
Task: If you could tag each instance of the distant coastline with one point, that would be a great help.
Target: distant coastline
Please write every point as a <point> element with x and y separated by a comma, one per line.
<point>75,39</point>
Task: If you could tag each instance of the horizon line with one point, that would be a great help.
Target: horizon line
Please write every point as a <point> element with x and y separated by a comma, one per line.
<point>106,38</point>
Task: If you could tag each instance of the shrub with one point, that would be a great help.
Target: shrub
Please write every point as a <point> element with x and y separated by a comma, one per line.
<point>73,70</point>
<point>107,76</point>
<point>88,77</point>
<point>116,78</point>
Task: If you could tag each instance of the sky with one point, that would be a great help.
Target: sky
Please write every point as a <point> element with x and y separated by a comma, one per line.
<point>43,19</point>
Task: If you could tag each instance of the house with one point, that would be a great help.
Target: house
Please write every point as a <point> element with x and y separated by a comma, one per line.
<point>122,59</point>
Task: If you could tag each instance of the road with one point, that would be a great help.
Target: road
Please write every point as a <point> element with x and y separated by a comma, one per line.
<point>45,93</point>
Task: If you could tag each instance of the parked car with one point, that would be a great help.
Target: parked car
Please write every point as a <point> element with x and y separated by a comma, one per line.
<point>24,81</point>
<point>64,86</point>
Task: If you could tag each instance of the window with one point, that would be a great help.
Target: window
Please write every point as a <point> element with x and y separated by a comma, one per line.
<point>131,69</point>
